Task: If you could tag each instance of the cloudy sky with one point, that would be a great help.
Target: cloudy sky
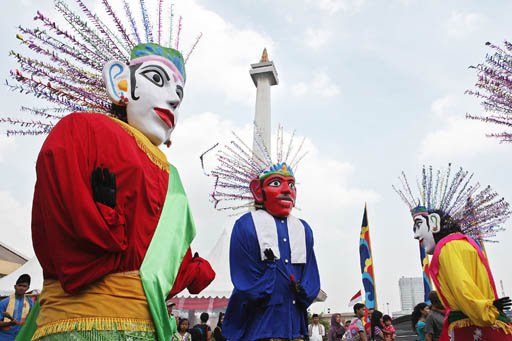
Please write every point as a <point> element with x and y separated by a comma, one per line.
<point>377,87</point>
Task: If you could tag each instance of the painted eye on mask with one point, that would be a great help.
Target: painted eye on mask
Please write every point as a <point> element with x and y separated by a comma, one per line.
<point>179,91</point>
<point>292,185</point>
<point>275,183</point>
<point>154,77</point>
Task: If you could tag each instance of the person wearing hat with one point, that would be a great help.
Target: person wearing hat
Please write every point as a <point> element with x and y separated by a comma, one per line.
<point>15,309</point>
<point>170,306</point>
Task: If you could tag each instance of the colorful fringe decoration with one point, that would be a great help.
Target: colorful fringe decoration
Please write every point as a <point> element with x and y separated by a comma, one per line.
<point>479,212</point>
<point>93,323</point>
<point>494,88</point>
<point>238,164</point>
<point>68,68</point>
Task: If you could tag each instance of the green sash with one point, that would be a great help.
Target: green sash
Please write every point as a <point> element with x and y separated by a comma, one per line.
<point>172,238</point>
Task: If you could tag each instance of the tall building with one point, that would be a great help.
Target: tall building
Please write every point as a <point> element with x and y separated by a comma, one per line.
<point>411,292</point>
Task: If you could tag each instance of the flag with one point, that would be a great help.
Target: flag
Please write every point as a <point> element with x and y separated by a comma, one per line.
<point>425,265</point>
<point>355,299</point>
<point>365,256</point>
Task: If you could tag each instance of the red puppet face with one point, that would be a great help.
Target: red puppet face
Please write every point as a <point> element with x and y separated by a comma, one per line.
<point>277,193</point>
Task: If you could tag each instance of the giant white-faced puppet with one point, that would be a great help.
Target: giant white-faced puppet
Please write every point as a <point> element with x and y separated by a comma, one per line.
<point>150,88</point>
<point>451,202</point>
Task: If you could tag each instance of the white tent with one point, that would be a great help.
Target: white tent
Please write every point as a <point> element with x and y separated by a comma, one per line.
<point>219,260</point>
<point>33,268</point>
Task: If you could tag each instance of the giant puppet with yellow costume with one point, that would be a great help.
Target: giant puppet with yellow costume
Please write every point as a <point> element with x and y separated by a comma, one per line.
<point>451,213</point>
<point>272,260</point>
<point>111,225</point>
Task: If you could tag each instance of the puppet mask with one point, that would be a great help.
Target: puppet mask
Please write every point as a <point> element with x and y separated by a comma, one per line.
<point>425,225</point>
<point>277,192</point>
<point>151,88</point>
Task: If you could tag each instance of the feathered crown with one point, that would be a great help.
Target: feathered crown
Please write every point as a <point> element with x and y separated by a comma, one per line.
<point>238,164</point>
<point>67,71</point>
<point>494,88</point>
<point>479,212</point>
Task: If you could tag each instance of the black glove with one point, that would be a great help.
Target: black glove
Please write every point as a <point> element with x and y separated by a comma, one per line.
<point>269,255</point>
<point>503,303</point>
<point>104,187</point>
<point>297,287</point>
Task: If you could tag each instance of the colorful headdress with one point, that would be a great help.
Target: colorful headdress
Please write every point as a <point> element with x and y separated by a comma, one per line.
<point>479,212</point>
<point>237,164</point>
<point>494,87</point>
<point>68,71</point>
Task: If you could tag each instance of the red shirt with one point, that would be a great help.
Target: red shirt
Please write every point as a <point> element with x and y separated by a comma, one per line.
<point>78,240</point>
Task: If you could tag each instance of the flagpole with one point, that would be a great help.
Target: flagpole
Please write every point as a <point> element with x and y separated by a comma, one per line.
<point>366,259</point>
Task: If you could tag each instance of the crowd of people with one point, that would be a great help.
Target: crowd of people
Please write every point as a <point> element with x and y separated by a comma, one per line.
<point>427,319</point>
<point>199,332</point>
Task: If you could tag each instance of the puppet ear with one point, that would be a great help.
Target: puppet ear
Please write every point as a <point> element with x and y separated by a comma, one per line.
<point>434,221</point>
<point>256,190</point>
<point>116,76</point>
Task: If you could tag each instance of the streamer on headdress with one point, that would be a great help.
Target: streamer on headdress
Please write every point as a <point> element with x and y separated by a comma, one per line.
<point>480,212</point>
<point>494,88</point>
<point>70,58</point>
<point>237,164</point>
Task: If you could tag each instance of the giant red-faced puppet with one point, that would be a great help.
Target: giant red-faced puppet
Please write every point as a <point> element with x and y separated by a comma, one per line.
<point>275,190</point>
<point>272,261</point>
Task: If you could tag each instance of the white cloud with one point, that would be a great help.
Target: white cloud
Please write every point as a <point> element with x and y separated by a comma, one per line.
<point>320,85</point>
<point>6,146</point>
<point>317,38</point>
<point>15,227</point>
<point>221,60</point>
<point>456,136</point>
<point>324,191</point>
<point>462,23</point>
<point>333,6</point>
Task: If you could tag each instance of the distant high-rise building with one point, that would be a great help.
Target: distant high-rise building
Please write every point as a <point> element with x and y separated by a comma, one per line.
<point>411,292</point>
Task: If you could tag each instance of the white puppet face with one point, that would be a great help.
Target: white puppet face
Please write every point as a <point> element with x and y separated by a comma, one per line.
<point>152,93</point>
<point>156,97</point>
<point>424,233</point>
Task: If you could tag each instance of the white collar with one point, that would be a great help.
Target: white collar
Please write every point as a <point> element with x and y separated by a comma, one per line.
<point>266,231</point>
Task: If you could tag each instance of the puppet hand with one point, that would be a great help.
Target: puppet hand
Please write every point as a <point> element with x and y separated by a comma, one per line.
<point>269,255</point>
<point>298,287</point>
<point>104,187</point>
<point>503,303</point>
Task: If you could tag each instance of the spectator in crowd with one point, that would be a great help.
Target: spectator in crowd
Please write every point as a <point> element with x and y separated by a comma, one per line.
<point>202,329</point>
<point>356,331</point>
<point>170,305</point>
<point>217,332</point>
<point>347,323</point>
<point>337,329</point>
<point>316,330</point>
<point>377,326</point>
<point>389,330</point>
<point>15,309</point>
<point>419,316</point>
<point>434,323</point>
<point>182,334</point>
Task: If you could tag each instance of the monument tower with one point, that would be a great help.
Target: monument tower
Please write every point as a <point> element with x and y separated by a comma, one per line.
<point>264,75</point>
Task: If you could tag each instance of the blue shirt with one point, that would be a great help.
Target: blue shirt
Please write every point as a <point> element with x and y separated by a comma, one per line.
<point>263,303</point>
<point>10,334</point>
<point>420,329</point>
